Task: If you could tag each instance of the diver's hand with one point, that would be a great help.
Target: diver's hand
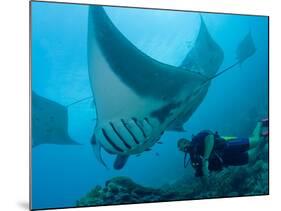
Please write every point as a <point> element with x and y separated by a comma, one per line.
<point>205,172</point>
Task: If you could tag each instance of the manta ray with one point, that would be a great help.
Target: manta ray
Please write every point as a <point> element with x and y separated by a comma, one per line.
<point>138,98</point>
<point>49,122</point>
<point>143,97</point>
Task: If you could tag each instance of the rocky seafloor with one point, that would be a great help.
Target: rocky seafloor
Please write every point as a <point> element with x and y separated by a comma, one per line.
<point>251,179</point>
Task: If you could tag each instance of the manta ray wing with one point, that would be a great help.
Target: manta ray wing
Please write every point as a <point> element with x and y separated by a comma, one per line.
<point>206,56</point>
<point>130,64</point>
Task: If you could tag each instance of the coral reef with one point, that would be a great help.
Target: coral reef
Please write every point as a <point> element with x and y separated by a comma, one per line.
<point>251,179</point>
<point>120,190</point>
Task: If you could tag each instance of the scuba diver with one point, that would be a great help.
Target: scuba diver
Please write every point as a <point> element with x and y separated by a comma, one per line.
<point>210,152</point>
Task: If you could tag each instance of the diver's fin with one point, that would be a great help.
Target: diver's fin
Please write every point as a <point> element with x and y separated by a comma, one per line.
<point>120,161</point>
<point>97,150</point>
<point>246,48</point>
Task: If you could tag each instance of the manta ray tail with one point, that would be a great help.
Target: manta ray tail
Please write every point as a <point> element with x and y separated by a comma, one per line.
<point>79,101</point>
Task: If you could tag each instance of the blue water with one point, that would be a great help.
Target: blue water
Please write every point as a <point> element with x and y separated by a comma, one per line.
<point>63,174</point>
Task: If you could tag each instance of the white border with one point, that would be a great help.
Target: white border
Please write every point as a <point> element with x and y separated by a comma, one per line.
<point>14,112</point>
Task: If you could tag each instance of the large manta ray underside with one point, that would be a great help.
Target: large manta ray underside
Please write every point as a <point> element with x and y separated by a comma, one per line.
<point>137,98</point>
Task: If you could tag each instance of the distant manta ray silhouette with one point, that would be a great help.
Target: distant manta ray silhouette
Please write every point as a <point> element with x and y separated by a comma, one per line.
<point>49,122</point>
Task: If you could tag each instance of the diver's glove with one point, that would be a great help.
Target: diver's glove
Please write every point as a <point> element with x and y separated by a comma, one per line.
<point>205,167</point>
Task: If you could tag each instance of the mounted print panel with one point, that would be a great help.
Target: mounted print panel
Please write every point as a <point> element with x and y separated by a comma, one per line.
<point>135,105</point>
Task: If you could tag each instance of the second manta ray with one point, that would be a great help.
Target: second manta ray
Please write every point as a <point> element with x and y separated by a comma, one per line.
<point>137,97</point>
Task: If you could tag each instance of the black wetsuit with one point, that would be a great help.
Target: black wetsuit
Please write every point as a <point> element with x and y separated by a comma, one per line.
<point>232,152</point>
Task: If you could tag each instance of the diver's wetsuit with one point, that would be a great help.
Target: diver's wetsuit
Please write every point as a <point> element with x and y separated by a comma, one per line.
<point>226,152</point>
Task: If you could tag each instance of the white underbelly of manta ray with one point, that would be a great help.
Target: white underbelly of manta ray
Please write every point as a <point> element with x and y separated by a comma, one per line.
<point>125,125</point>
